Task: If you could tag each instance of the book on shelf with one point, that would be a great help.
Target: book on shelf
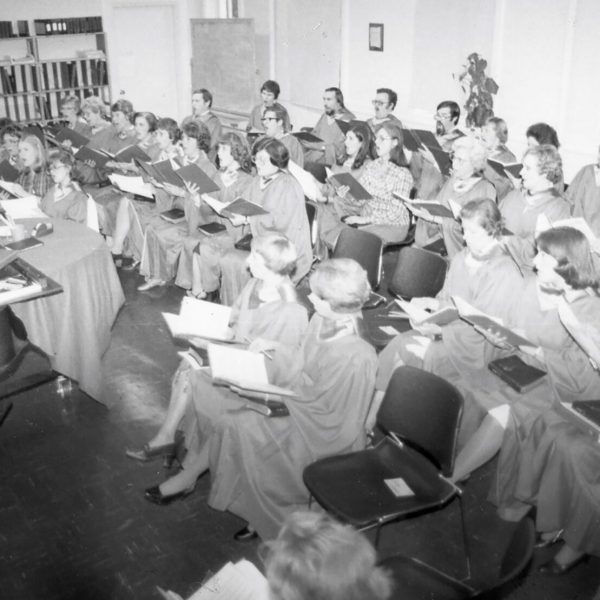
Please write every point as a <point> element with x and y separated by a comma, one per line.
<point>514,371</point>
<point>194,174</point>
<point>357,191</point>
<point>483,322</point>
<point>132,185</point>
<point>174,215</point>
<point>200,319</point>
<point>8,172</point>
<point>421,316</point>
<point>242,369</point>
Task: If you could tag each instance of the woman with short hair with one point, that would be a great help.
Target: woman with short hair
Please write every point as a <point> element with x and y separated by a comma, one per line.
<point>278,192</point>
<point>521,209</point>
<point>70,109</point>
<point>466,183</point>
<point>317,558</point>
<point>269,92</point>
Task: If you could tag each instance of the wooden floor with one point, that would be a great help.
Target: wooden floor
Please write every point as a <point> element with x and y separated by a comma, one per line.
<point>74,523</point>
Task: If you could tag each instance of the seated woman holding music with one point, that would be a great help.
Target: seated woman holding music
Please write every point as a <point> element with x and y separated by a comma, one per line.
<point>256,463</point>
<point>382,214</point>
<point>198,269</point>
<point>266,314</point>
<point>466,183</point>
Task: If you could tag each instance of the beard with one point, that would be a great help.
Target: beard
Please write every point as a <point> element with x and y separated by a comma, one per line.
<point>330,112</point>
<point>439,129</point>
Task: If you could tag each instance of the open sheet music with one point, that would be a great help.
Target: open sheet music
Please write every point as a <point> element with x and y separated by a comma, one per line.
<point>198,318</point>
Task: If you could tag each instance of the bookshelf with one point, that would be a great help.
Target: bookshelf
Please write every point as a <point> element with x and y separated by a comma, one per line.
<point>36,72</point>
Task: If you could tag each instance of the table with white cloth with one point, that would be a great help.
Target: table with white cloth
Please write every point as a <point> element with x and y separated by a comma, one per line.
<point>74,327</point>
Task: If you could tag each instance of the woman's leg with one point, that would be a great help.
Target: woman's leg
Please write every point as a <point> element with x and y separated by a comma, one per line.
<point>484,444</point>
<point>122,227</point>
<point>194,464</point>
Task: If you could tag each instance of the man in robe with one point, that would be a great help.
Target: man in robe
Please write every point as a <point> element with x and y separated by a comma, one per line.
<point>202,101</point>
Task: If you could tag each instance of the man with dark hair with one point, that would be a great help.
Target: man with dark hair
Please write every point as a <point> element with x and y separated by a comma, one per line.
<point>384,103</point>
<point>269,92</point>
<point>328,130</point>
<point>428,179</point>
<point>202,101</point>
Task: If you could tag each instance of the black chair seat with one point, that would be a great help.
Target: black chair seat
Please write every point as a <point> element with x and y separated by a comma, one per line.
<point>352,486</point>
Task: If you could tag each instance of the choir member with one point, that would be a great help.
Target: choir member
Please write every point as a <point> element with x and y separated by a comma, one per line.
<point>202,101</point>
<point>10,135</point>
<point>269,92</point>
<point>274,123</point>
<point>34,177</point>
<point>495,136</point>
<point>384,105</point>
<point>70,109</point>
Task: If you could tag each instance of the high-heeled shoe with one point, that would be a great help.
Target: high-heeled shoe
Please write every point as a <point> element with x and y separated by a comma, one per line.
<point>169,452</point>
<point>552,567</point>
<point>541,542</point>
<point>117,259</point>
<point>154,495</point>
<point>245,535</point>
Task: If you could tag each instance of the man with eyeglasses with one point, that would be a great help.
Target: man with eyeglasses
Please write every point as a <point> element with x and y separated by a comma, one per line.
<point>269,92</point>
<point>328,130</point>
<point>274,125</point>
<point>428,179</point>
<point>384,103</point>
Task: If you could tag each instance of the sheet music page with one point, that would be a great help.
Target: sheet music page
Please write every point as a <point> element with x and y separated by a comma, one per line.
<point>133,185</point>
<point>233,365</point>
<point>242,581</point>
<point>198,318</point>
<point>23,208</point>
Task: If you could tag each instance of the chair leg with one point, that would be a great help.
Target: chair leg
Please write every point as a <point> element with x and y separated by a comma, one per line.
<point>465,536</point>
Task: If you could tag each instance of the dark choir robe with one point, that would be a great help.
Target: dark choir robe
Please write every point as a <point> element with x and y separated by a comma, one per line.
<point>333,149</point>
<point>70,203</point>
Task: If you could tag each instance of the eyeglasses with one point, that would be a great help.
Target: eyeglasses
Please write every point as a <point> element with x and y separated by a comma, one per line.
<point>56,167</point>
<point>442,116</point>
<point>268,119</point>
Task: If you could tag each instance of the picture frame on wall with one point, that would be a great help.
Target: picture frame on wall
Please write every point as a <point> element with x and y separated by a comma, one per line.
<point>376,37</point>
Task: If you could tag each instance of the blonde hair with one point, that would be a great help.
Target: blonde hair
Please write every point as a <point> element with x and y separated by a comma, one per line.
<point>476,150</point>
<point>343,283</point>
<point>316,558</point>
<point>95,105</point>
<point>35,143</point>
<point>278,252</point>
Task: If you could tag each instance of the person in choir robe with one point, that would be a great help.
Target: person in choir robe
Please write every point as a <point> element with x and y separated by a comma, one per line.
<point>202,101</point>
<point>10,136</point>
<point>494,135</point>
<point>333,148</point>
<point>64,200</point>
<point>265,314</point>
<point>427,176</point>
<point>93,110</point>
<point>132,216</point>
<point>198,270</point>
<point>540,134</point>
<point>358,151</point>
<point>279,193</point>
<point>34,177</point>
<point>256,464</point>
<point>109,198</point>
<point>584,195</point>
<point>316,557</point>
<point>274,123</point>
<point>542,168</point>
<point>269,92</point>
<point>484,275</point>
<point>552,464</point>
<point>384,104</point>
<point>70,109</point>
<point>564,267</point>
<point>466,183</point>
<point>384,215</point>
<point>163,241</point>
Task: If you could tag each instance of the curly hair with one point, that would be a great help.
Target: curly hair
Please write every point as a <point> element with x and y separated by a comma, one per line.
<point>149,117</point>
<point>62,156</point>
<point>239,150</point>
<point>198,131</point>
<point>278,153</point>
<point>278,252</point>
<point>549,161</point>
<point>476,149</point>
<point>124,106</point>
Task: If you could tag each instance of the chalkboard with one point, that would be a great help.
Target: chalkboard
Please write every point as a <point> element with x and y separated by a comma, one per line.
<point>223,61</point>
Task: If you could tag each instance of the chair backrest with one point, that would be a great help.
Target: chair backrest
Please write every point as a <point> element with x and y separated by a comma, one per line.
<point>365,248</point>
<point>423,410</point>
<point>311,213</point>
<point>418,273</point>
<point>515,561</point>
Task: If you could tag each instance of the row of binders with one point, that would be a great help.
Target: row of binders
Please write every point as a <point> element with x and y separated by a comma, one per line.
<point>68,26</point>
<point>8,29</point>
